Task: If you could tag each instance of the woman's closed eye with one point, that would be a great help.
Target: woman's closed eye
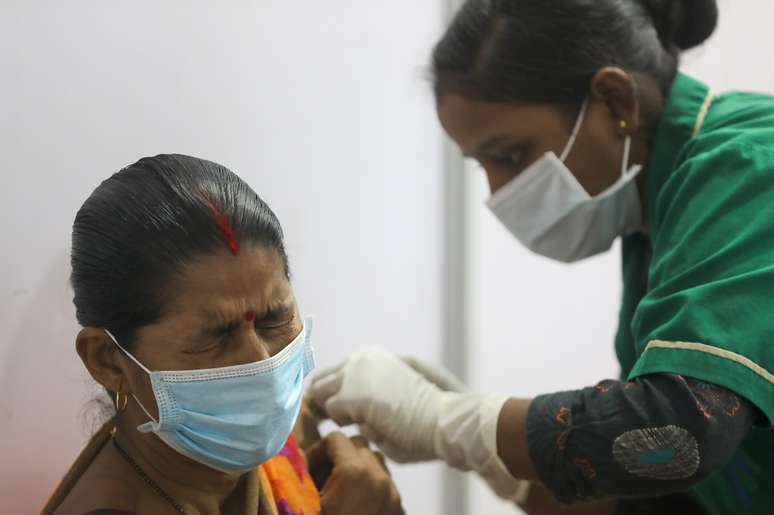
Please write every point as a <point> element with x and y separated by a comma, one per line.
<point>217,338</point>
<point>224,332</point>
<point>278,327</point>
<point>213,338</point>
<point>274,326</point>
<point>276,315</point>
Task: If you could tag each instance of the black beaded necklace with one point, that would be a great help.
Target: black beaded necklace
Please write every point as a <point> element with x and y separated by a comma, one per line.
<point>148,481</point>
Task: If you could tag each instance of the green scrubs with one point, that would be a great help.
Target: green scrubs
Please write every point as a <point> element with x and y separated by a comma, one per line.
<point>699,288</point>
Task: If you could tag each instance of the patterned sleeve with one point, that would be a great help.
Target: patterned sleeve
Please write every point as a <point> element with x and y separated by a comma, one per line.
<point>655,435</point>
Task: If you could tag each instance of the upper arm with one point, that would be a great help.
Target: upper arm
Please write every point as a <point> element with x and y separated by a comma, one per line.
<point>708,310</point>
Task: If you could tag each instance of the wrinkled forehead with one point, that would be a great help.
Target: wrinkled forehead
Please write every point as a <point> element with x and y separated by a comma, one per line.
<point>222,285</point>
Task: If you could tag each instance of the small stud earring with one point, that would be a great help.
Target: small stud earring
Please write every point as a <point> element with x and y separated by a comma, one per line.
<point>623,124</point>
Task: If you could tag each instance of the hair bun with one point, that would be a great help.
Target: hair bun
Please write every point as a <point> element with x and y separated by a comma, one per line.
<point>683,23</point>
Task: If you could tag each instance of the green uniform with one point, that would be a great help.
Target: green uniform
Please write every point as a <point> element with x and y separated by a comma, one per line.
<point>699,288</point>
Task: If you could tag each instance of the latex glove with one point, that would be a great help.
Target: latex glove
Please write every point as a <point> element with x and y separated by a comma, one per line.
<point>439,376</point>
<point>411,419</point>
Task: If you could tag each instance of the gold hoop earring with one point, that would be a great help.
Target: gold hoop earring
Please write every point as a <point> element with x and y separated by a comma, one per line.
<point>118,400</point>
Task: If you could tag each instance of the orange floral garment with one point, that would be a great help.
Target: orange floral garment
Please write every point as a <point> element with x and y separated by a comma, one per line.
<point>286,484</point>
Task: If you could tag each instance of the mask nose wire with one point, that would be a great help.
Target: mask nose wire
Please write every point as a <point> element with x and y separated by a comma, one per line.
<point>575,130</point>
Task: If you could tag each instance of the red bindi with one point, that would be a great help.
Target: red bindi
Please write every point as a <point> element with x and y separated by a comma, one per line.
<point>250,316</point>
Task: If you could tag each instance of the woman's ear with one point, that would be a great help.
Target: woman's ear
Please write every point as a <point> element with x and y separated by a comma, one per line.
<point>618,90</point>
<point>101,358</point>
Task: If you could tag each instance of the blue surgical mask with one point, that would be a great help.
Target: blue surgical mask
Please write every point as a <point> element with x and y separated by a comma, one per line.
<point>234,418</point>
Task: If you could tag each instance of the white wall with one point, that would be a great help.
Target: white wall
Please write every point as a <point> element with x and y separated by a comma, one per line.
<point>544,327</point>
<point>321,106</point>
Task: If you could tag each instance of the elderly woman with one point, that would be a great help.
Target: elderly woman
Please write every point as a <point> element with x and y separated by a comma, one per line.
<point>189,321</point>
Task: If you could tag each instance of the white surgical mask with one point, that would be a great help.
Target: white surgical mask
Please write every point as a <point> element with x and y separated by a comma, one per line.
<point>547,209</point>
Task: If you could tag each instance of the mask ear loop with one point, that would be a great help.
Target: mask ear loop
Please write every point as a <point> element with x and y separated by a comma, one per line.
<point>575,130</point>
<point>627,150</point>
<point>139,365</point>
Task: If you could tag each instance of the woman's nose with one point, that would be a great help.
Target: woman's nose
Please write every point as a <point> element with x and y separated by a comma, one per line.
<point>254,348</point>
<point>263,350</point>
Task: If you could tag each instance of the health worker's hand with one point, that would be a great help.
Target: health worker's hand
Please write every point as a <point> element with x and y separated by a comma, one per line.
<point>411,419</point>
